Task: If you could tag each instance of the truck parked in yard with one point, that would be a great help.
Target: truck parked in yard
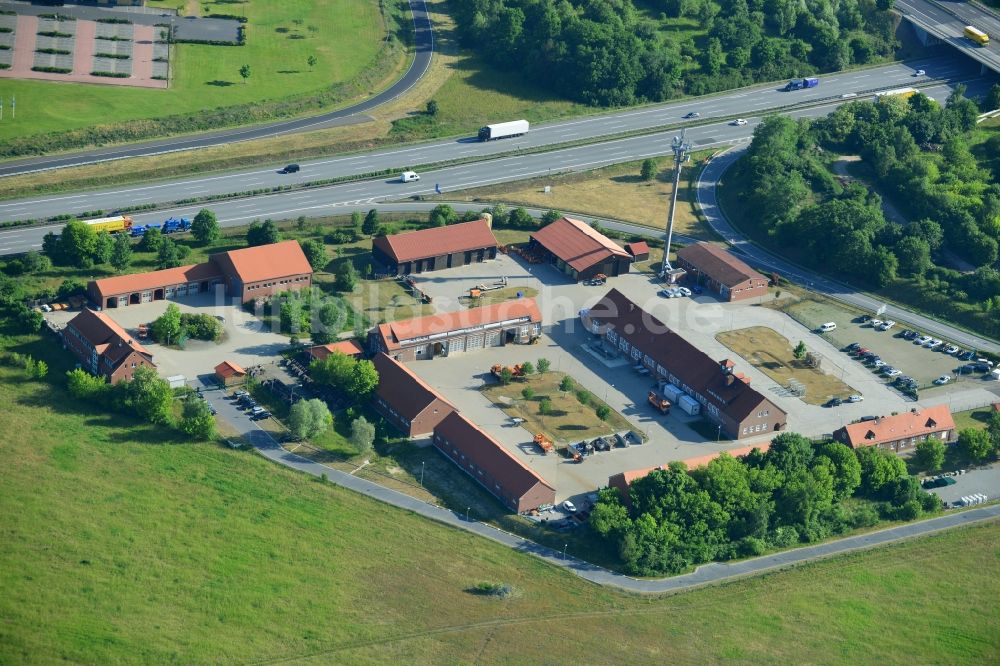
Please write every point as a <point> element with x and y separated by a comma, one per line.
<point>657,400</point>
<point>798,84</point>
<point>503,130</point>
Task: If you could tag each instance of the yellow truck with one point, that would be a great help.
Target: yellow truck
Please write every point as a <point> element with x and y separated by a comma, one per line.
<point>977,35</point>
<point>112,225</point>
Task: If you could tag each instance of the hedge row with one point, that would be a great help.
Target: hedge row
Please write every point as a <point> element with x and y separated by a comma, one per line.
<point>53,51</point>
<point>55,33</point>
<point>243,114</point>
<point>114,20</point>
<point>111,75</point>
<point>52,70</point>
<point>233,17</point>
<point>117,56</point>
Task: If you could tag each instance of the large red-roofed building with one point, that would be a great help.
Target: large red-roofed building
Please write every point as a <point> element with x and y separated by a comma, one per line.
<point>436,248</point>
<point>580,251</point>
<point>104,348</point>
<point>450,333</point>
<point>900,433</point>
<point>407,401</point>
<point>248,274</point>
<point>721,271</point>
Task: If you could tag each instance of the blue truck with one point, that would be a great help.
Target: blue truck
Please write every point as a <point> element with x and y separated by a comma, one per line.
<point>798,84</point>
<point>170,226</point>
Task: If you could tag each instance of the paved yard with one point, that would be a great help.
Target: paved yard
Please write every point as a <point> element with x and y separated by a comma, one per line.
<point>985,480</point>
<point>245,343</point>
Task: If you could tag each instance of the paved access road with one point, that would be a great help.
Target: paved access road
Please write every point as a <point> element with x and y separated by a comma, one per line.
<point>364,194</point>
<point>709,573</point>
<point>423,50</point>
<point>747,101</point>
<point>708,202</point>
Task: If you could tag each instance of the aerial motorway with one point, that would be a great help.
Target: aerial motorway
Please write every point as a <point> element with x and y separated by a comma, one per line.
<point>524,156</point>
<point>423,50</point>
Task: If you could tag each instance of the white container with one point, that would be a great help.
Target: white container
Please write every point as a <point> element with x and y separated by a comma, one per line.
<point>671,392</point>
<point>689,405</point>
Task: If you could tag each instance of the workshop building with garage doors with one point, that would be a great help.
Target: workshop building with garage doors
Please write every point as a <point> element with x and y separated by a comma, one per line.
<point>578,250</point>
<point>248,274</point>
<point>721,272</point>
<point>516,321</point>
<point>436,248</point>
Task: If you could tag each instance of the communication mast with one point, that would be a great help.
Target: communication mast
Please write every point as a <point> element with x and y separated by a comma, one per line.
<point>681,149</point>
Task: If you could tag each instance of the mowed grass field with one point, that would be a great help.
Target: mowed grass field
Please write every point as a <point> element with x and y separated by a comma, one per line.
<point>344,35</point>
<point>122,544</point>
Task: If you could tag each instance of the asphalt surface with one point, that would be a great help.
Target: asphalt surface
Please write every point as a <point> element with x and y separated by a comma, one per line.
<point>747,101</point>
<point>366,194</point>
<point>707,574</point>
<point>946,20</point>
<point>423,51</point>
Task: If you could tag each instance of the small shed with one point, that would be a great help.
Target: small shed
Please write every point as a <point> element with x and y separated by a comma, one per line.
<point>229,373</point>
<point>176,381</point>
<point>638,250</point>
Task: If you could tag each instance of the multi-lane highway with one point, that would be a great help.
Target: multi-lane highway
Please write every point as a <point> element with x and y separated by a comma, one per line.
<point>748,102</point>
<point>423,49</point>
<point>363,194</point>
<point>946,20</point>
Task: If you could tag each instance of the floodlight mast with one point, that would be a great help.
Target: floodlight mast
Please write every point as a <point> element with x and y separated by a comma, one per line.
<point>681,148</point>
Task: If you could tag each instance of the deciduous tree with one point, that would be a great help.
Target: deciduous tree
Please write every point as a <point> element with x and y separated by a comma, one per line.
<point>205,226</point>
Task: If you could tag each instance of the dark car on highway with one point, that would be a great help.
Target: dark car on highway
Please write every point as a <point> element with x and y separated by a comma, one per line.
<point>291,168</point>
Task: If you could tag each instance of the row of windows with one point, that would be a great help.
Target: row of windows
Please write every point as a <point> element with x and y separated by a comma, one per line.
<point>762,427</point>
<point>392,411</point>
<point>263,285</point>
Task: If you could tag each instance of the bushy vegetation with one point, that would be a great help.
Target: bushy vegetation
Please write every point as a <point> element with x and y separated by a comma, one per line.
<point>352,377</point>
<point>609,53</point>
<point>919,153</point>
<point>796,492</point>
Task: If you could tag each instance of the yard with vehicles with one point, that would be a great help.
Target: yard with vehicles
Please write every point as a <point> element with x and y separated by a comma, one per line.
<point>771,352</point>
<point>346,38</point>
<point>216,552</point>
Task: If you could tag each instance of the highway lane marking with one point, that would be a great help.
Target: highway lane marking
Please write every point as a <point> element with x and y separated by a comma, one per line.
<point>29,203</point>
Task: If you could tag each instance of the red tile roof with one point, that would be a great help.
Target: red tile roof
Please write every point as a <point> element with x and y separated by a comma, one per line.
<point>437,241</point>
<point>637,248</point>
<point>265,262</point>
<point>109,339</point>
<point>623,480</point>
<point>488,454</point>
<point>718,264</point>
<point>722,387</point>
<point>397,333</point>
<point>901,426</point>
<point>121,284</point>
<point>349,347</point>
<point>577,243</point>
<point>404,391</point>
<point>228,369</point>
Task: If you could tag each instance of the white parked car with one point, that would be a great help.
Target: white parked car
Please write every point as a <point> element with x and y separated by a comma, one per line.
<point>827,327</point>
<point>878,363</point>
<point>857,397</point>
<point>919,72</point>
<point>950,349</point>
<point>886,325</point>
<point>934,344</point>
<point>739,122</point>
<point>683,291</point>
<point>875,322</point>
<point>892,372</point>
<point>569,506</point>
<point>943,379</point>
<point>923,340</point>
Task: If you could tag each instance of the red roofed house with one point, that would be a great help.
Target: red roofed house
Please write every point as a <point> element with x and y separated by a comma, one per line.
<point>349,347</point>
<point>436,248</point>
<point>229,373</point>
<point>721,271</point>
<point>902,432</point>
<point>580,251</point>
<point>725,395</point>
<point>491,465</point>
<point>639,250</point>
<point>452,332</point>
<point>623,480</point>
<point>104,348</point>
<point>406,400</point>
<point>249,273</point>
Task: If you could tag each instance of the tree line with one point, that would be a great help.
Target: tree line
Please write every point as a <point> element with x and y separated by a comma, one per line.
<point>609,53</point>
<point>919,153</point>
<point>797,492</point>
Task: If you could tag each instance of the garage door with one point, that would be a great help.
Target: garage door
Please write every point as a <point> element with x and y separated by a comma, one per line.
<point>493,339</point>
<point>147,296</point>
<point>456,346</point>
<point>170,292</point>
<point>474,342</point>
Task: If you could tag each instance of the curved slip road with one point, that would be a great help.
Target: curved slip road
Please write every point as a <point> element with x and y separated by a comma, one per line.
<point>707,196</point>
<point>423,43</point>
<point>703,575</point>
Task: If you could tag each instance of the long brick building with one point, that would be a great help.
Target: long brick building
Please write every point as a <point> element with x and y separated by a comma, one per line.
<point>721,271</point>
<point>407,401</point>
<point>726,396</point>
<point>900,433</point>
<point>436,248</point>
<point>248,274</point>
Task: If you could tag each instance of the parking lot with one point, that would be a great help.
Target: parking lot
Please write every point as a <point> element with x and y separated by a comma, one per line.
<point>985,480</point>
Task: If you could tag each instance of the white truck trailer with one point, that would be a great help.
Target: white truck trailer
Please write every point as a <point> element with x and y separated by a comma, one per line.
<point>503,130</point>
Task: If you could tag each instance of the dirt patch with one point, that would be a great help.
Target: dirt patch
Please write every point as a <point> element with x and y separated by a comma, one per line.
<point>771,353</point>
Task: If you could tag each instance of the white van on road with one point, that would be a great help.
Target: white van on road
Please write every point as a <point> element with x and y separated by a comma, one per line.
<point>409,177</point>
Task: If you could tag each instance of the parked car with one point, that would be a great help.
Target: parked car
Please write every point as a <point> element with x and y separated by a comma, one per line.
<point>919,72</point>
<point>569,506</point>
<point>834,402</point>
<point>684,291</point>
<point>854,346</point>
<point>950,349</point>
<point>891,372</point>
<point>875,323</point>
<point>261,415</point>
<point>886,325</point>
<point>980,367</point>
<point>861,351</point>
<point>877,362</point>
<point>943,379</point>
<point>739,122</point>
<point>934,344</point>
<point>967,356</point>
<point>827,327</point>
<point>907,334</point>
<point>923,340</point>
<point>856,397</point>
